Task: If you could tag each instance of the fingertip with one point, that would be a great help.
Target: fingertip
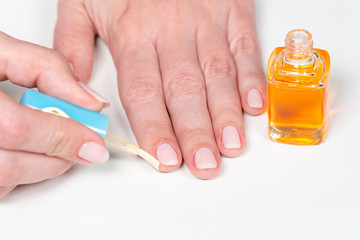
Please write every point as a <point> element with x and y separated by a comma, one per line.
<point>168,169</point>
<point>233,152</point>
<point>205,163</point>
<point>206,174</point>
<point>254,98</point>
<point>169,157</point>
<point>93,152</point>
<point>69,89</point>
<point>254,101</point>
<point>94,94</point>
<point>81,63</point>
<point>231,140</point>
<point>66,138</point>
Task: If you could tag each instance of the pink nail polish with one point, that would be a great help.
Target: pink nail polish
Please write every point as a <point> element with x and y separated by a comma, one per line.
<point>231,138</point>
<point>205,159</point>
<point>93,152</point>
<point>94,94</point>
<point>254,98</point>
<point>166,154</point>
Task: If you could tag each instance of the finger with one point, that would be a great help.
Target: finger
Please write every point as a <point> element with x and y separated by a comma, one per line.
<point>185,95</point>
<point>29,65</point>
<point>23,168</point>
<point>245,48</point>
<point>26,129</point>
<point>6,190</point>
<point>75,37</point>
<point>221,86</point>
<point>140,89</point>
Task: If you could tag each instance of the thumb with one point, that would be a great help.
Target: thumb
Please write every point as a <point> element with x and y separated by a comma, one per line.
<point>28,130</point>
<point>74,37</point>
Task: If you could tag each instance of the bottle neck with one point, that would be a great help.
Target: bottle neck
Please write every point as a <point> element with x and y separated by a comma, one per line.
<point>299,48</point>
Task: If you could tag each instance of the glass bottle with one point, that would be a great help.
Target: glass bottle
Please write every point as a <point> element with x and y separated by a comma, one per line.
<point>298,81</point>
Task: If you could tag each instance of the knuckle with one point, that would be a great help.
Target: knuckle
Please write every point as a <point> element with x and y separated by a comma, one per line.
<point>170,11</point>
<point>140,89</point>
<point>245,43</point>
<point>60,142</point>
<point>195,133</point>
<point>218,67</point>
<point>155,128</point>
<point>250,76</point>
<point>185,83</point>
<point>54,57</point>
<point>8,169</point>
<point>13,131</point>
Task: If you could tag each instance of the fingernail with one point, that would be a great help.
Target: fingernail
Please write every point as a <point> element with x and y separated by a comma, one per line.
<point>205,159</point>
<point>71,66</point>
<point>230,137</point>
<point>166,154</point>
<point>94,94</point>
<point>255,99</point>
<point>93,152</point>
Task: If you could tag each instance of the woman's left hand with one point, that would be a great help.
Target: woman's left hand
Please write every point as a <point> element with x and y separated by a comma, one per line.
<point>186,70</point>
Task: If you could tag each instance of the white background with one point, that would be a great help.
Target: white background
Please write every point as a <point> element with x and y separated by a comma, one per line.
<point>273,191</point>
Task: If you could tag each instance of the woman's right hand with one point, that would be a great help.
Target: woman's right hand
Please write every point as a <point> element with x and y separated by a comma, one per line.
<point>34,145</point>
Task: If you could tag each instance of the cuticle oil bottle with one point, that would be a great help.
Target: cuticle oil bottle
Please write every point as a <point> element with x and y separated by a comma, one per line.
<point>298,82</point>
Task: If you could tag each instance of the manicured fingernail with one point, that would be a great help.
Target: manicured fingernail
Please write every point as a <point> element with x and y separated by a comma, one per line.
<point>166,154</point>
<point>255,99</point>
<point>94,94</point>
<point>230,137</point>
<point>93,152</point>
<point>205,159</point>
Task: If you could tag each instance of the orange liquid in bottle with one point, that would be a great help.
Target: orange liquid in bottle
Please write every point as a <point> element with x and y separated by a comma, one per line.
<point>297,92</point>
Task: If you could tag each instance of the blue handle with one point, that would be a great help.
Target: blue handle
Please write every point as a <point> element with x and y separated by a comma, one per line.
<point>93,120</point>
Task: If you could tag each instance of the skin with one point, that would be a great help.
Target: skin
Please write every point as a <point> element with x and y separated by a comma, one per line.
<point>35,146</point>
<point>185,68</point>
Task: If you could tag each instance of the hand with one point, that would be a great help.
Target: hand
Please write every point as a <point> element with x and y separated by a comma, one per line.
<point>186,70</point>
<point>34,145</point>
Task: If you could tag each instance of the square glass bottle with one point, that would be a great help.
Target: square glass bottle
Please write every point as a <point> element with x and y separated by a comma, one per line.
<point>298,82</point>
